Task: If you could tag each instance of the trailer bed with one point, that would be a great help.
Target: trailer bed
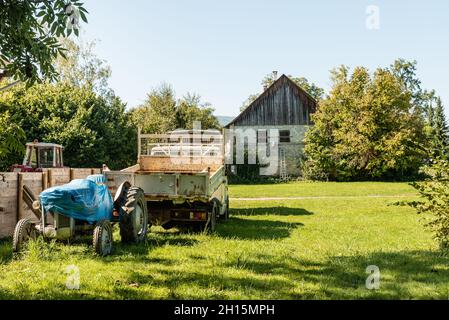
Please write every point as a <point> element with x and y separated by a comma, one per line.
<point>182,182</point>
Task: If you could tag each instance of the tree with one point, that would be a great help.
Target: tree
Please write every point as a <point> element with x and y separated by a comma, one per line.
<point>367,128</point>
<point>269,79</point>
<point>405,72</point>
<point>311,88</point>
<point>440,138</point>
<point>13,139</point>
<point>81,67</point>
<point>162,112</point>
<point>247,102</point>
<point>158,112</point>
<point>316,92</point>
<point>190,109</point>
<point>93,130</point>
<point>434,192</point>
<point>428,104</point>
<point>29,32</point>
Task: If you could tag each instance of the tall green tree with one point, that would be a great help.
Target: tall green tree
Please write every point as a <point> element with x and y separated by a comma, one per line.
<point>158,112</point>
<point>406,72</point>
<point>367,128</point>
<point>191,109</point>
<point>434,195</point>
<point>13,139</point>
<point>30,32</point>
<point>248,101</point>
<point>82,67</point>
<point>162,112</point>
<point>94,130</point>
<point>440,132</point>
<point>316,92</point>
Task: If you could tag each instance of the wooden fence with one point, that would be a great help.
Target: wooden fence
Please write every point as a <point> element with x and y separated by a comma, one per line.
<point>12,206</point>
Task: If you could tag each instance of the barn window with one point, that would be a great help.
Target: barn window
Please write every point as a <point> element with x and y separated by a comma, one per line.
<point>284,136</point>
<point>261,136</point>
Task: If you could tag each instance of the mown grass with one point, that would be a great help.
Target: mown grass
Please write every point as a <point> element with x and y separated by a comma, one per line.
<point>292,249</point>
<point>319,189</point>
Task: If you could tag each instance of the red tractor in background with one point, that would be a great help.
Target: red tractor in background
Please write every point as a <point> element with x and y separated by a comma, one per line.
<point>39,156</point>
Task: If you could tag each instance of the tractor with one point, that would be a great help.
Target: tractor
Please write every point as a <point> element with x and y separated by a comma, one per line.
<point>84,207</point>
<point>40,156</point>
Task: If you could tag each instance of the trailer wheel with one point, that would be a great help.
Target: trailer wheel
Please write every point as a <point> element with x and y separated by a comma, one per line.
<point>102,240</point>
<point>23,232</point>
<point>134,220</point>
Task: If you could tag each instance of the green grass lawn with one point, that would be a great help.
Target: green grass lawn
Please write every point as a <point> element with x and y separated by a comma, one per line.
<point>319,189</point>
<point>314,248</point>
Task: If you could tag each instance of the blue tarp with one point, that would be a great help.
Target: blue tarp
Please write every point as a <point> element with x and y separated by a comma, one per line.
<point>83,199</point>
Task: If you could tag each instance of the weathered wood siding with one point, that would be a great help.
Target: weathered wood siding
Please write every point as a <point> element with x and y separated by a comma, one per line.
<point>284,103</point>
<point>8,203</point>
<point>13,208</point>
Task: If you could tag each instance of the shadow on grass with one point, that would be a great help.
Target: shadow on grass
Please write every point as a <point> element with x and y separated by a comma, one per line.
<point>404,275</point>
<point>139,252</point>
<point>336,278</point>
<point>344,277</point>
<point>251,229</point>
<point>142,250</point>
<point>399,272</point>
<point>259,229</point>
<point>277,211</point>
<point>217,285</point>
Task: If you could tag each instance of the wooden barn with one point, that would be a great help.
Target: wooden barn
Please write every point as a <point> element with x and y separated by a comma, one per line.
<point>284,106</point>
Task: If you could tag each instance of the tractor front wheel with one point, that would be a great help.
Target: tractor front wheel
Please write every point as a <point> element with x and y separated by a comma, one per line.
<point>23,232</point>
<point>134,219</point>
<point>102,241</point>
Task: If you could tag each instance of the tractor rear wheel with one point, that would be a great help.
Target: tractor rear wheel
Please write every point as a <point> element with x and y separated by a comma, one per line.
<point>102,241</point>
<point>134,220</point>
<point>23,232</point>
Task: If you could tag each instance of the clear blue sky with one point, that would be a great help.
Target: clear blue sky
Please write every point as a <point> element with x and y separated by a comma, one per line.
<point>222,49</point>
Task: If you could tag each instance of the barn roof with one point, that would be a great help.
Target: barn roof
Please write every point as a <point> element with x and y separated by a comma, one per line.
<point>270,89</point>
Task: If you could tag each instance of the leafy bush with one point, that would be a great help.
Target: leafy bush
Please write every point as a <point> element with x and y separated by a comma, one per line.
<point>93,129</point>
<point>12,139</point>
<point>434,192</point>
<point>369,127</point>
